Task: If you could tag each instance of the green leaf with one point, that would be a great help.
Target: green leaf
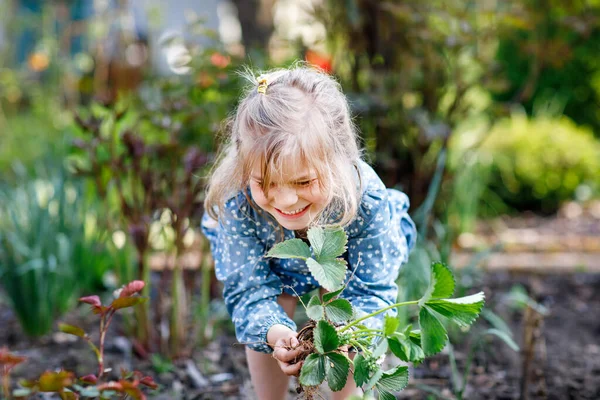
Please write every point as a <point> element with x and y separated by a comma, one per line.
<point>385,395</point>
<point>406,350</point>
<point>504,337</point>
<point>433,333</point>
<point>441,283</point>
<point>361,370</point>
<point>339,311</point>
<point>496,321</point>
<point>337,368</point>
<point>390,324</point>
<point>316,237</point>
<point>330,295</point>
<point>335,244</point>
<point>292,248</point>
<point>72,330</point>
<point>394,380</point>
<point>330,274</point>
<point>313,370</point>
<point>325,337</point>
<point>444,281</point>
<point>463,311</point>
<point>124,302</point>
<point>314,309</point>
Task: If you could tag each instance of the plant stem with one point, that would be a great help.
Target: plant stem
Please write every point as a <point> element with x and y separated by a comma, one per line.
<point>367,331</point>
<point>6,385</point>
<point>405,303</point>
<point>101,355</point>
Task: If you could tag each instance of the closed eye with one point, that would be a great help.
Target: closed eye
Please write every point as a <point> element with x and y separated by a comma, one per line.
<point>304,183</point>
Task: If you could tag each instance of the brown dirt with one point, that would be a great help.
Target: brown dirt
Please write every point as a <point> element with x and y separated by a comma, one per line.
<point>565,362</point>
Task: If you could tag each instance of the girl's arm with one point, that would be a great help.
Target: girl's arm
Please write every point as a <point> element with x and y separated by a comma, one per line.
<point>250,289</point>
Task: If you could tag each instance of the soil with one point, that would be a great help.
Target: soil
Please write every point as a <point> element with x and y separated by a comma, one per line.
<point>565,357</point>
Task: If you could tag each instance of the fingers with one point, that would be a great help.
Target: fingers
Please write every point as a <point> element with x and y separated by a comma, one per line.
<point>291,369</point>
<point>282,354</point>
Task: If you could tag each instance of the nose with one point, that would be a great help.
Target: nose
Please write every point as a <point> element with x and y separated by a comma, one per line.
<point>285,196</point>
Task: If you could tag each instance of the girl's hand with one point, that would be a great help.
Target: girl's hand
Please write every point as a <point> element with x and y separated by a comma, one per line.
<point>285,351</point>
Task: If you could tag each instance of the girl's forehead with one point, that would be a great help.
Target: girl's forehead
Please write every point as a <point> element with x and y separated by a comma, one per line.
<point>287,168</point>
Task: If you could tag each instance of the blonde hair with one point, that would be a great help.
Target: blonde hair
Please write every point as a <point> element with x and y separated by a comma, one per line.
<point>302,116</point>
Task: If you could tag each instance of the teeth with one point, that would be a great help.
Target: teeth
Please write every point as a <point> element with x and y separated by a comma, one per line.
<point>293,212</point>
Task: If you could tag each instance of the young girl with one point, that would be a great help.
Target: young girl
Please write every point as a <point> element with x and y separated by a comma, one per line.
<point>292,161</point>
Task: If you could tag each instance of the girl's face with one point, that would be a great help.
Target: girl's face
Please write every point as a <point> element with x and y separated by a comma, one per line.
<point>294,198</point>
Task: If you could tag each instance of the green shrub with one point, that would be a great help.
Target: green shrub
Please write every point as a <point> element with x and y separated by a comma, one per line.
<point>538,163</point>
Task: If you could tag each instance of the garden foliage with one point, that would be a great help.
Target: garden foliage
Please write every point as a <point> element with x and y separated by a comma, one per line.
<point>336,324</point>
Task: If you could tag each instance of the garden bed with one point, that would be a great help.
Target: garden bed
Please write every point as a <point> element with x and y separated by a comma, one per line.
<point>565,363</point>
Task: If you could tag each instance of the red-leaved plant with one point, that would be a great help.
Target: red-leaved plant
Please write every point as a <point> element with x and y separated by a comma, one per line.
<point>65,382</point>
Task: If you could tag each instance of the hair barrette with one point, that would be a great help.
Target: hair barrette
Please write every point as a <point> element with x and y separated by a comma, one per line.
<point>262,85</point>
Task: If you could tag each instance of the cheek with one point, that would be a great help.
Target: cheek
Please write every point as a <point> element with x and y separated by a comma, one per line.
<point>315,195</point>
<point>259,196</point>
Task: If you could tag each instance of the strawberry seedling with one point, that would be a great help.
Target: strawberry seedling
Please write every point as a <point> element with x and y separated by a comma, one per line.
<point>335,325</point>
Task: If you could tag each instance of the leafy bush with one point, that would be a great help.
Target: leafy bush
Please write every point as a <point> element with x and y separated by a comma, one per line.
<point>539,163</point>
<point>49,250</point>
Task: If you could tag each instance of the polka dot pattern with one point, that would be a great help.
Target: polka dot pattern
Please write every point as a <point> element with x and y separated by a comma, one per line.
<point>379,241</point>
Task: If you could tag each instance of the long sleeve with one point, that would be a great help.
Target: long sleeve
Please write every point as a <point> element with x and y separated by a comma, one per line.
<point>250,288</point>
<point>380,241</point>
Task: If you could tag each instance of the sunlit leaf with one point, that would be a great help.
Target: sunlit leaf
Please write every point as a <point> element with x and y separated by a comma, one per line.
<point>330,274</point>
<point>71,330</point>
<point>441,283</point>
<point>292,248</point>
<point>462,311</point>
<point>55,381</point>
<point>325,337</point>
<point>124,302</point>
<point>316,237</point>
<point>67,395</point>
<point>335,244</point>
<point>444,281</point>
<point>313,370</point>
<point>337,367</point>
<point>433,333</point>
<point>390,324</point>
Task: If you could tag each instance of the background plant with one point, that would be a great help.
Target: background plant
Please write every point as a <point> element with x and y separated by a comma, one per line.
<point>50,249</point>
<point>65,382</point>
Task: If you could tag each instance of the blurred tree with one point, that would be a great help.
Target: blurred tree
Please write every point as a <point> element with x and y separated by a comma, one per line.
<point>410,70</point>
<point>256,20</point>
<point>549,52</point>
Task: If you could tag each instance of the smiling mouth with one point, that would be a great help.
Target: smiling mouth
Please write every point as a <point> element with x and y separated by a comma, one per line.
<point>294,213</point>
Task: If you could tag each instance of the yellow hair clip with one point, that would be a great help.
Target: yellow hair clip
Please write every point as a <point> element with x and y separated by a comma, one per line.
<point>262,86</point>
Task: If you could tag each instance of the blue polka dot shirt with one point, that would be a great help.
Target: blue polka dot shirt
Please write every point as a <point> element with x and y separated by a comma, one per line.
<point>379,241</point>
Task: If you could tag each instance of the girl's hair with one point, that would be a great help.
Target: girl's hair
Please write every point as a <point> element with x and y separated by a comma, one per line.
<point>302,117</point>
